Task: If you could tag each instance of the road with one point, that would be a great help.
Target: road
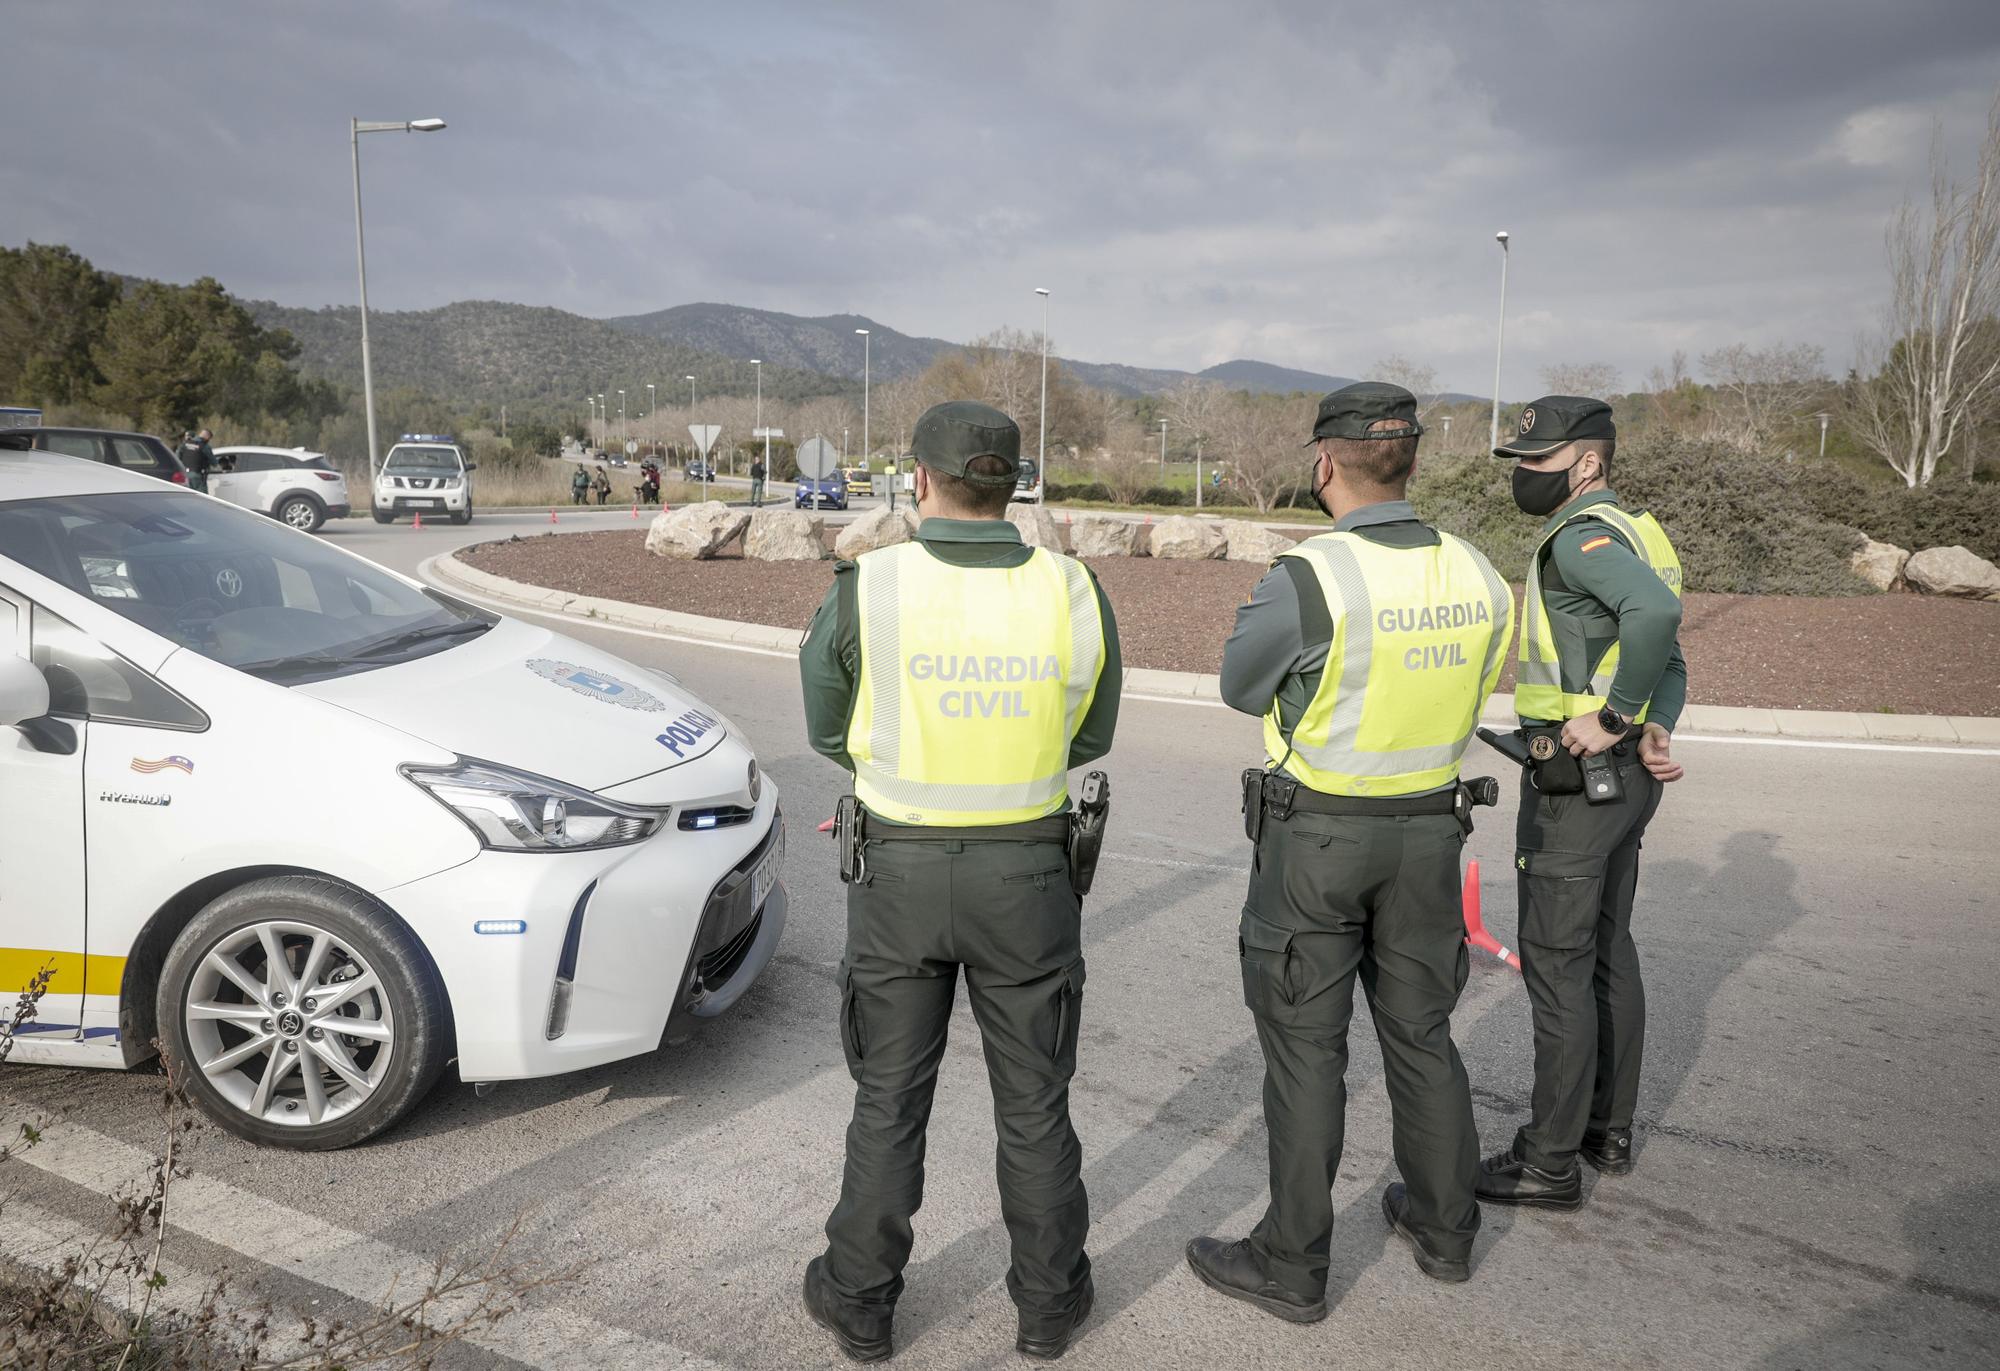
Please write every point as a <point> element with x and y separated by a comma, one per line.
<point>1815,1186</point>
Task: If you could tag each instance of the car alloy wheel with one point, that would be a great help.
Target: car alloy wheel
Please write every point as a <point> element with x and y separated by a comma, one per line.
<point>300,513</point>
<point>289,1023</point>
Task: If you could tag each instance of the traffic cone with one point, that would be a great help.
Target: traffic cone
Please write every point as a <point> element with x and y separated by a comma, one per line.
<point>635,510</point>
<point>552,515</point>
<point>416,519</point>
<point>1475,924</point>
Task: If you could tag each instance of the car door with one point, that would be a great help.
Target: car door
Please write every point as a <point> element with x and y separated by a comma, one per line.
<point>85,445</point>
<point>244,484</point>
<point>41,862</point>
<point>135,454</point>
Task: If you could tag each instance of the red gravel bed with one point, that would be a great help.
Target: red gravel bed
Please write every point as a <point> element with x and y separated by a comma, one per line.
<point>1904,654</point>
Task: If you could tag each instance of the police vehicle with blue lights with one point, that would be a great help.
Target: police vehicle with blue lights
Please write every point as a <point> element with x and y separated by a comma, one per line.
<point>424,473</point>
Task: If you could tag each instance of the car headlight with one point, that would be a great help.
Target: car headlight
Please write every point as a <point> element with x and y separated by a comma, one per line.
<point>518,811</point>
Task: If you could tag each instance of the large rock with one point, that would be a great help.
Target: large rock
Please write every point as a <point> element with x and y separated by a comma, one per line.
<point>1098,537</point>
<point>1187,539</point>
<point>1037,525</point>
<point>694,531</point>
<point>1879,564</point>
<point>1953,571</point>
<point>1248,542</point>
<point>882,527</point>
<point>785,535</point>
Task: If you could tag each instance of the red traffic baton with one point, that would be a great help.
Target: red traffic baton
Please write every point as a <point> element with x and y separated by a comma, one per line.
<point>1475,924</point>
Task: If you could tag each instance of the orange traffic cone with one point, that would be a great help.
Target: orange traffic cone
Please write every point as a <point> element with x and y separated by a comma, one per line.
<point>552,515</point>
<point>1475,924</point>
<point>417,519</point>
<point>635,510</point>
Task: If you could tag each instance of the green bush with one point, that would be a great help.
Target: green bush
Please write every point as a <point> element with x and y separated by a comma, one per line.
<point>1958,513</point>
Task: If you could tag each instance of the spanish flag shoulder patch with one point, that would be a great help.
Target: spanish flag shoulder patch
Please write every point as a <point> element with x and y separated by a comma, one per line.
<point>1592,544</point>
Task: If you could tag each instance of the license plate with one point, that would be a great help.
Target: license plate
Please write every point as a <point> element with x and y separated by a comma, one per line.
<point>765,874</point>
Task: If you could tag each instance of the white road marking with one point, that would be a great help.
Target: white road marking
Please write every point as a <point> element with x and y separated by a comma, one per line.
<point>1944,748</point>
<point>543,1334</point>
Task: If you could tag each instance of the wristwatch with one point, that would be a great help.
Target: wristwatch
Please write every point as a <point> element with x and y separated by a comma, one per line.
<point>1612,722</point>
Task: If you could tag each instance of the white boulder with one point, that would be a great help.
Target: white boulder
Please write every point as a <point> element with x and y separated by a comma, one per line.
<point>1099,537</point>
<point>785,535</point>
<point>1953,571</point>
<point>1187,539</point>
<point>878,528</point>
<point>1248,542</point>
<point>1879,564</point>
<point>694,531</point>
<point>1037,525</point>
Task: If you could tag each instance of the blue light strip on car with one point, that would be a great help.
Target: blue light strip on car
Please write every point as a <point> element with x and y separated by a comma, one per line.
<point>500,926</point>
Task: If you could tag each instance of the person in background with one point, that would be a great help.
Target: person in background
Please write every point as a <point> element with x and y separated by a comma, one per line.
<point>602,485</point>
<point>757,474</point>
<point>199,459</point>
<point>579,487</point>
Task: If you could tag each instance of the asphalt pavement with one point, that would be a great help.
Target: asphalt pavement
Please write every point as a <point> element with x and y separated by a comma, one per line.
<point>1815,1186</point>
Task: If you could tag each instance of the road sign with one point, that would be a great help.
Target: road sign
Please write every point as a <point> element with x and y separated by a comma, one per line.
<point>631,447</point>
<point>767,433</point>
<point>818,458</point>
<point>704,435</point>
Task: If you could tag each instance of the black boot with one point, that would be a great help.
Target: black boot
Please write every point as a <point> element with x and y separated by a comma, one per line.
<point>1610,1151</point>
<point>1232,1269</point>
<point>861,1339</point>
<point>1505,1178</point>
<point>1048,1346</point>
<point>1396,1209</point>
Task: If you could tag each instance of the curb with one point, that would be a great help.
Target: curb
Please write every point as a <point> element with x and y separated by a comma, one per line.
<point>1198,687</point>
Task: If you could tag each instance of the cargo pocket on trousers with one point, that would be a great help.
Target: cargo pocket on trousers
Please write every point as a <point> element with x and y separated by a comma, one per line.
<point>1560,892</point>
<point>1265,950</point>
<point>1069,1016</point>
<point>850,1024</point>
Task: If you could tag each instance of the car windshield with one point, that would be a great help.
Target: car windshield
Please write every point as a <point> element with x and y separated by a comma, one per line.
<point>1027,472</point>
<point>422,459</point>
<point>233,586</point>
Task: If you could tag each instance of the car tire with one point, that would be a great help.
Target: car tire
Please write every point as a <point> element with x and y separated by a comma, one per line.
<point>249,1077</point>
<point>382,516</point>
<point>301,512</point>
<point>462,516</point>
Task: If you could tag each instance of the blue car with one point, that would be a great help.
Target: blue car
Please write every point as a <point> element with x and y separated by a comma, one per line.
<point>828,492</point>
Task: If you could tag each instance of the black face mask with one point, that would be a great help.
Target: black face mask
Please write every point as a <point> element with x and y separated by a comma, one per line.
<point>1318,491</point>
<point>1541,492</point>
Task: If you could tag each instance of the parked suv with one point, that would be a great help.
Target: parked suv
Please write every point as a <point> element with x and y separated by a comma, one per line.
<point>137,452</point>
<point>291,485</point>
<point>424,473</point>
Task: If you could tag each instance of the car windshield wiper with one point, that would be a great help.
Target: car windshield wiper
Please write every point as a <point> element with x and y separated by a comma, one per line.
<point>303,664</point>
<point>428,633</point>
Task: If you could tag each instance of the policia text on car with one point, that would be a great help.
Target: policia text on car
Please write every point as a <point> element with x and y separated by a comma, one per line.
<point>1368,651</point>
<point>1602,682</point>
<point>959,677</point>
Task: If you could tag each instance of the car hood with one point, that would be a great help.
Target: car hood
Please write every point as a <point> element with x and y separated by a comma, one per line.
<point>525,697</point>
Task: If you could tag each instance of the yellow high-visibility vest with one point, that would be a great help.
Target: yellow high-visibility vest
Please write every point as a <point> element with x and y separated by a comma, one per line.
<point>1556,681</point>
<point>974,681</point>
<point>1418,638</point>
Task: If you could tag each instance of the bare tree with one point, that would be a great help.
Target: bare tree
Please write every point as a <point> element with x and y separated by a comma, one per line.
<point>1125,464</point>
<point>1925,374</point>
<point>1193,406</point>
<point>1415,377</point>
<point>897,405</point>
<point>1595,379</point>
<point>1261,435</point>
<point>1764,388</point>
<point>1672,395</point>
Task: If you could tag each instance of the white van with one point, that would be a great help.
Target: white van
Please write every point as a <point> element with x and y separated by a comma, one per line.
<point>424,473</point>
<point>321,830</point>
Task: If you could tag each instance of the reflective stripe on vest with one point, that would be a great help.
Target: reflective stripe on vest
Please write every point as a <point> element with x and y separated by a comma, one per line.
<point>1539,692</point>
<point>974,680</point>
<point>1417,643</point>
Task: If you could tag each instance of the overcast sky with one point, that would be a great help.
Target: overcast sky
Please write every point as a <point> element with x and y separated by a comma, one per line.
<point>1312,184</point>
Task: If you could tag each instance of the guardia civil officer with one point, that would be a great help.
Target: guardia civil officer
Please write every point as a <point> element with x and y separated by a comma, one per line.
<point>1368,651</point>
<point>1601,672</point>
<point>959,677</point>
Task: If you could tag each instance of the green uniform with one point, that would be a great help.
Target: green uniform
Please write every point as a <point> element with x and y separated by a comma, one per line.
<point>997,903</point>
<point>1577,864</point>
<point>1339,895</point>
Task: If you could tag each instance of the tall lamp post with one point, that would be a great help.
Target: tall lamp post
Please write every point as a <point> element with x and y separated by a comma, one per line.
<point>355,128</point>
<point>1499,340</point>
<point>1163,451</point>
<point>895,467</point>
<point>622,431</point>
<point>1823,418</point>
<point>1042,448</point>
<point>758,363</point>
<point>604,415</point>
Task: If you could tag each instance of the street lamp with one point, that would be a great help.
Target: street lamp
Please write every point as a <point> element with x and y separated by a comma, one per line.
<point>652,399</point>
<point>604,414</point>
<point>1042,449</point>
<point>1823,418</point>
<point>895,467</point>
<point>758,363</point>
<point>690,381</point>
<point>843,447</point>
<point>1163,452</point>
<point>1499,339</point>
<point>355,128</point>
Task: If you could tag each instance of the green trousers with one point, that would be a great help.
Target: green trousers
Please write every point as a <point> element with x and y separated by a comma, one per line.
<point>1004,913</point>
<point>1576,866</point>
<point>1333,897</point>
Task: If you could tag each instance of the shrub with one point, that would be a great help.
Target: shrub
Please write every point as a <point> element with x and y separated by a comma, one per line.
<point>1939,515</point>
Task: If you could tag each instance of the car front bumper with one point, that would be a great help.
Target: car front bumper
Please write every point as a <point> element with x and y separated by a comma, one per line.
<point>402,501</point>
<point>665,933</point>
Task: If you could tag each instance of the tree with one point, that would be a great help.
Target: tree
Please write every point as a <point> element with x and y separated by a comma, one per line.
<point>1125,464</point>
<point>1673,400</point>
<point>897,405</point>
<point>1260,435</point>
<point>1928,370</point>
<point>1193,406</point>
<point>1761,389</point>
<point>1415,377</point>
<point>53,306</point>
<point>1595,379</point>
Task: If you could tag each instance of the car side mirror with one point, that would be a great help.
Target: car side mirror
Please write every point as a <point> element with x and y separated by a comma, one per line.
<point>24,691</point>
<point>472,466</point>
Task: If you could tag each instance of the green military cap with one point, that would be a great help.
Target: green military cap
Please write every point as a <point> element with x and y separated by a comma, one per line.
<point>1554,420</point>
<point>950,435</point>
<point>1348,412</point>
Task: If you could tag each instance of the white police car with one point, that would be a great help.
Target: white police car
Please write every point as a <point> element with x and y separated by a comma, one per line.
<point>321,830</point>
<point>424,473</point>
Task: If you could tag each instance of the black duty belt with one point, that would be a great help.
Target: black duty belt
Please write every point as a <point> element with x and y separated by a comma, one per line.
<point>1283,795</point>
<point>1053,829</point>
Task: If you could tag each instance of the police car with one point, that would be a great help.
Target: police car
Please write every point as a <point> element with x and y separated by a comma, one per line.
<point>424,473</point>
<point>321,830</point>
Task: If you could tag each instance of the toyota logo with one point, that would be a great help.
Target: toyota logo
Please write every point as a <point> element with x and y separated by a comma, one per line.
<point>290,1024</point>
<point>229,582</point>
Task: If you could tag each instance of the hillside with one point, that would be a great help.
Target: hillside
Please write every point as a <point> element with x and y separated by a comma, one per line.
<point>492,352</point>
<point>1243,374</point>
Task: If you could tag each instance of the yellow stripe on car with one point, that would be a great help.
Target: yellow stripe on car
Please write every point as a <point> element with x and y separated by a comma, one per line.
<point>72,972</point>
